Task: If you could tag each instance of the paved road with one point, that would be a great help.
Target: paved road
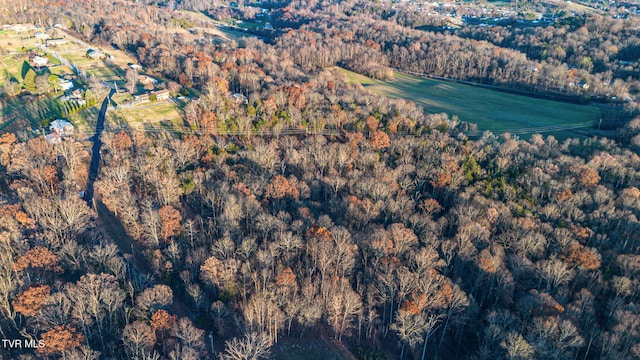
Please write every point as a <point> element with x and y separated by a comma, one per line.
<point>94,168</point>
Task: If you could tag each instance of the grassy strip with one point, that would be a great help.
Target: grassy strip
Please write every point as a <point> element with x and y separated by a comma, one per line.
<point>491,110</point>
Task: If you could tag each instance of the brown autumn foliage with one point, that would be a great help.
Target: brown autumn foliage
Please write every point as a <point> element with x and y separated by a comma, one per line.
<point>580,232</point>
<point>161,320</point>
<point>122,141</point>
<point>7,140</point>
<point>13,210</point>
<point>410,307</point>
<point>280,188</point>
<point>171,220</point>
<point>286,278</point>
<point>259,255</point>
<point>47,175</point>
<point>564,195</point>
<point>30,300</point>
<point>9,209</point>
<point>319,232</point>
<point>441,180</point>
<point>59,339</point>
<point>550,306</point>
<point>372,123</point>
<point>379,140</point>
<point>24,219</point>
<point>579,255</point>
<point>208,121</point>
<point>587,177</point>
<point>39,258</point>
<point>430,206</point>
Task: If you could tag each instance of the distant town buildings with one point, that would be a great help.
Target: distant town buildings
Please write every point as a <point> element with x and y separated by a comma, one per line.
<point>18,28</point>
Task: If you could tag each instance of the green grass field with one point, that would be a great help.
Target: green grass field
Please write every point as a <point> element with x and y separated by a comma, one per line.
<point>145,113</point>
<point>492,110</point>
<point>37,110</point>
<point>222,32</point>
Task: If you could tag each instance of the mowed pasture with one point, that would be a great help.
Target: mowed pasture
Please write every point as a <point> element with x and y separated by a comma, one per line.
<point>146,113</point>
<point>491,110</point>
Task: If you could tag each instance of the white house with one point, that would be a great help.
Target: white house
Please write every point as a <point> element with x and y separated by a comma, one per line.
<point>240,98</point>
<point>56,42</point>
<point>53,138</point>
<point>162,95</point>
<point>41,35</point>
<point>66,85</point>
<point>61,127</point>
<point>95,54</point>
<point>40,61</point>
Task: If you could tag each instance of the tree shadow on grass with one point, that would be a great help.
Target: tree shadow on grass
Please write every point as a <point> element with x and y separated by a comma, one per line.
<point>39,111</point>
<point>117,122</point>
<point>160,130</point>
<point>94,166</point>
<point>118,73</point>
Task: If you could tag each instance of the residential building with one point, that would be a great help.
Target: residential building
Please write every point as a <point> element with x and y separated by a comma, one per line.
<point>39,61</point>
<point>66,85</point>
<point>95,54</point>
<point>162,94</point>
<point>56,42</point>
<point>42,35</point>
<point>61,127</point>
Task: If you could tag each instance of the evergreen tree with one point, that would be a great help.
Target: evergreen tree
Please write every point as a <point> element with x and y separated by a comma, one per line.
<point>90,97</point>
<point>30,81</point>
<point>54,82</point>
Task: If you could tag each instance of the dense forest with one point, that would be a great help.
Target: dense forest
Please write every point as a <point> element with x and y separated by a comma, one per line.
<point>318,210</point>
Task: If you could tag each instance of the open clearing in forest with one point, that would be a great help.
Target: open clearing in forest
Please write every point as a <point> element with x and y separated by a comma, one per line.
<point>221,29</point>
<point>147,113</point>
<point>492,110</point>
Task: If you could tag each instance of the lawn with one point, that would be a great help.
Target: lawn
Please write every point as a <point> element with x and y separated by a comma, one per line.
<point>105,72</point>
<point>223,31</point>
<point>60,70</point>
<point>85,119</point>
<point>144,113</point>
<point>492,110</point>
<point>12,68</point>
<point>34,109</point>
